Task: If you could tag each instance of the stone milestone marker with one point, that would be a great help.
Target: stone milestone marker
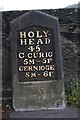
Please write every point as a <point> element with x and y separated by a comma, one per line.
<point>37,69</point>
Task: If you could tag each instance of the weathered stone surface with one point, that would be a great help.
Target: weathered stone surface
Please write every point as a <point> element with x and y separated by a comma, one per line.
<point>33,92</point>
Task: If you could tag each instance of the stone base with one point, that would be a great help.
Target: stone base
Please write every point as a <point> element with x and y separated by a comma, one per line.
<point>39,96</point>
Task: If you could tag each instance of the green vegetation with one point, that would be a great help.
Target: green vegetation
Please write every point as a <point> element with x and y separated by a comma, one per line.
<point>73,92</point>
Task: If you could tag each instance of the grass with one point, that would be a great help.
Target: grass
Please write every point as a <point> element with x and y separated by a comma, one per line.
<point>73,92</point>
